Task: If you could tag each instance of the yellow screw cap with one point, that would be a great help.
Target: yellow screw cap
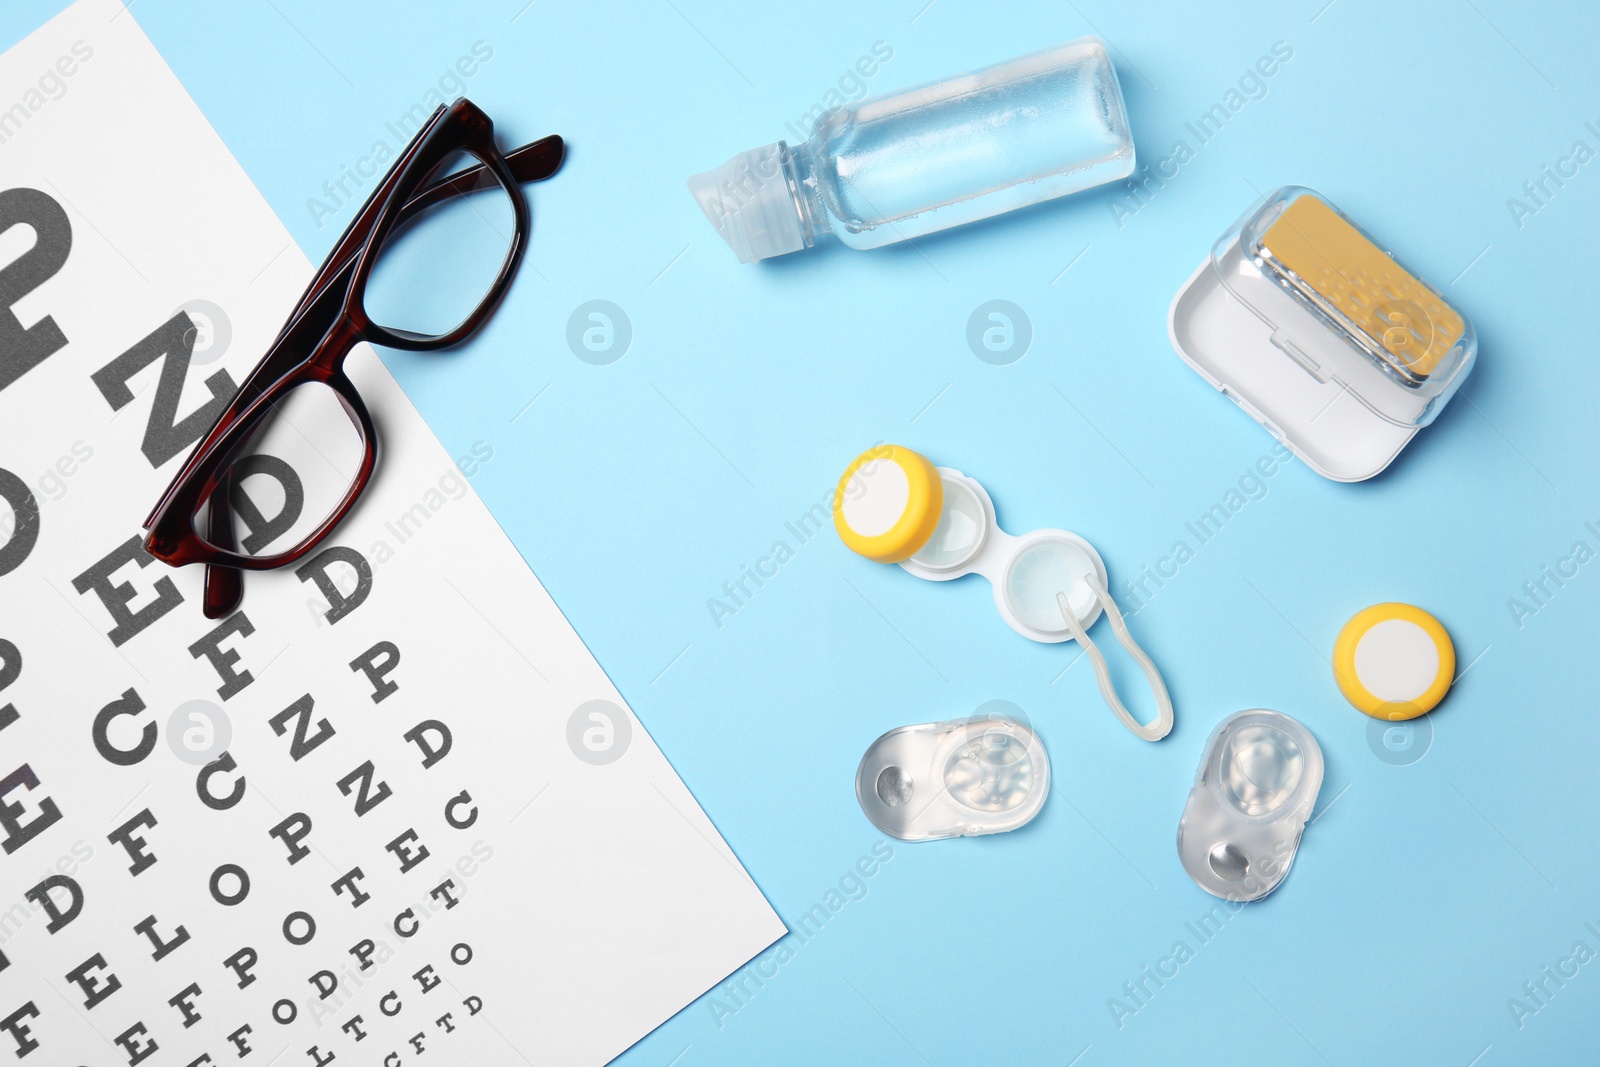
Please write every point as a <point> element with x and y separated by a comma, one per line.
<point>1394,661</point>
<point>888,503</point>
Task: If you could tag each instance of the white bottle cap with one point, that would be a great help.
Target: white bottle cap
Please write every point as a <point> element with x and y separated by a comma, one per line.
<point>749,201</point>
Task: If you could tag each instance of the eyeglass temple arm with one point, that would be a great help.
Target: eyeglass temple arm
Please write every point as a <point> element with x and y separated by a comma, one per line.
<point>531,163</point>
<point>223,589</point>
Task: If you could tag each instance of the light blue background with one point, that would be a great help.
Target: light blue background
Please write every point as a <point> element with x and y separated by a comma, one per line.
<point>1424,895</point>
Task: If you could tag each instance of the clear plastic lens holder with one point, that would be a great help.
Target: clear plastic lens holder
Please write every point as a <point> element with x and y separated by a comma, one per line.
<point>1253,794</point>
<point>962,778</point>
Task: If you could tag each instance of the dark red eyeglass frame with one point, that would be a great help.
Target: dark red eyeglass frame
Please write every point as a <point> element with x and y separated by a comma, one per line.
<point>322,330</point>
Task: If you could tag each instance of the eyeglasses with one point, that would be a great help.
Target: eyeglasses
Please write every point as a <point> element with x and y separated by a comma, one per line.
<point>440,271</point>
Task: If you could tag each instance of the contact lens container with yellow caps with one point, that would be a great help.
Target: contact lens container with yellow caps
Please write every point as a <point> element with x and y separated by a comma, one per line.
<point>894,506</point>
<point>1321,335</point>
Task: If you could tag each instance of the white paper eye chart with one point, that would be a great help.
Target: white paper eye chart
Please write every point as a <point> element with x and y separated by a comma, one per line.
<point>388,812</point>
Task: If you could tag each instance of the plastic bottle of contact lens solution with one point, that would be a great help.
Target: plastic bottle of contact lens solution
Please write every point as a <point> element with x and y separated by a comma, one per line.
<point>907,164</point>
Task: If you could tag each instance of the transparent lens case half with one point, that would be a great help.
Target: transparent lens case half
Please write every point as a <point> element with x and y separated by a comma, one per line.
<point>1254,791</point>
<point>1321,335</point>
<point>962,778</point>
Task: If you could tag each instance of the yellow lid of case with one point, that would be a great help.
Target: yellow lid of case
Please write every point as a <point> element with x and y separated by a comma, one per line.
<point>1377,297</point>
<point>1394,661</point>
<point>888,503</point>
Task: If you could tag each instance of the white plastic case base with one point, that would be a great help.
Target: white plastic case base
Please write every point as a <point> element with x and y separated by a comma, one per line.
<point>1321,422</point>
<point>1026,572</point>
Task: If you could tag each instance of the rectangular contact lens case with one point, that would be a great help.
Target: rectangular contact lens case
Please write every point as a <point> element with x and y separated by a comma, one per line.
<point>1320,335</point>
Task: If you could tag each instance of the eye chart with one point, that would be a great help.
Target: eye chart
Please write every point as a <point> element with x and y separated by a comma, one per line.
<point>389,812</point>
